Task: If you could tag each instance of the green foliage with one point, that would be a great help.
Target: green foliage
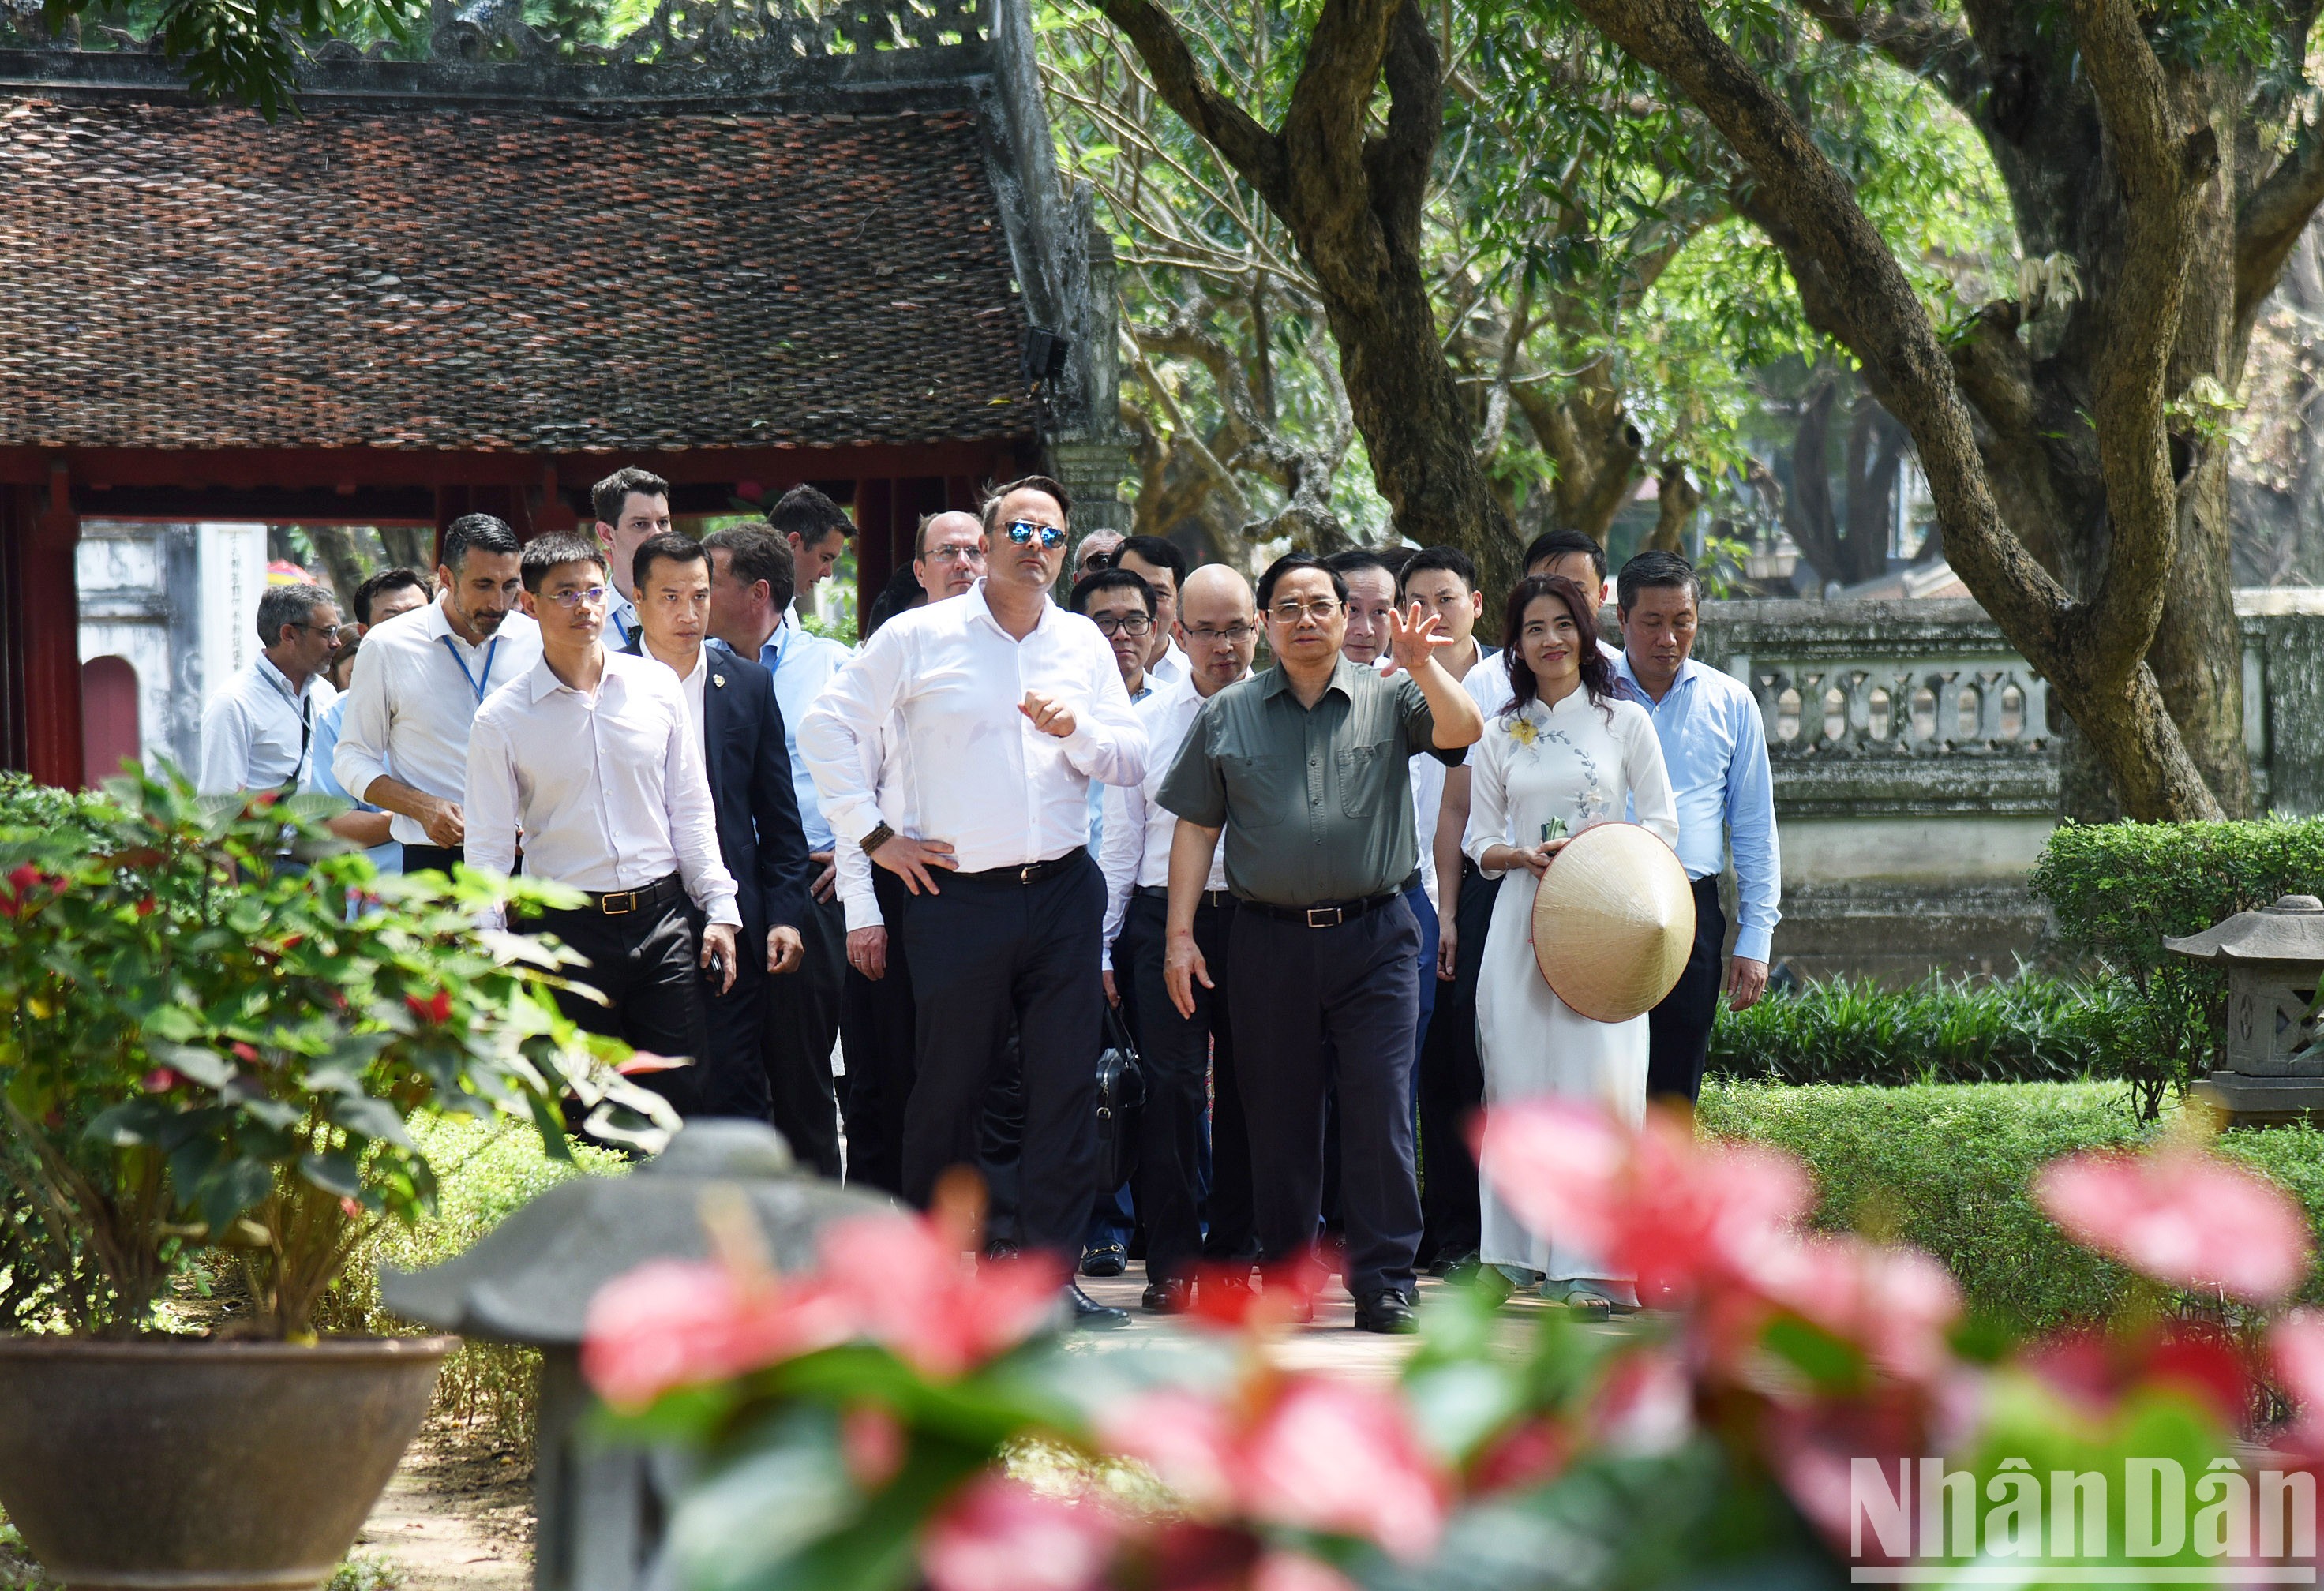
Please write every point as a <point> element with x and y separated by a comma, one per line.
<point>485,1171</point>
<point>2117,890</point>
<point>2030,1029</point>
<point>205,1046</point>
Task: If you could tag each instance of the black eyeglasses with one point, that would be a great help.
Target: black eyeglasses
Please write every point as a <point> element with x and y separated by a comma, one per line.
<point>1132,624</point>
<point>1022,531</point>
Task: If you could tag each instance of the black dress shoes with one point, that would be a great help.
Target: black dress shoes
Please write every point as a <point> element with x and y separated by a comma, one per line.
<point>1170,1296</point>
<point>1089,1315</point>
<point>1108,1259</point>
<point>1387,1312</point>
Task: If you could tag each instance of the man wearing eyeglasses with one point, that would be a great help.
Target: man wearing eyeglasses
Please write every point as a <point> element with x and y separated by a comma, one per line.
<point>1220,631</point>
<point>1304,770</point>
<point>957,752</point>
<point>732,709</point>
<point>255,734</point>
<point>593,756</point>
<point>950,556</point>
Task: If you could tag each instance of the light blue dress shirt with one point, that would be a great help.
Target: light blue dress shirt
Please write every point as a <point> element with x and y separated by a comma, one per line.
<point>802,664</point>
<point>1097,791</point>
<point>387,858</point>
<point>1715,745</point>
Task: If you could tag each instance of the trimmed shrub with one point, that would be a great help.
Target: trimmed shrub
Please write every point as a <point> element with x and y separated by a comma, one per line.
<point>2117,890</point>
<point>1948,1168</point>
<point>484,1172</point>
<point>2030,1029</point>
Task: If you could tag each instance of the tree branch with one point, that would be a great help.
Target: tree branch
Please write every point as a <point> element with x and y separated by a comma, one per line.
<point>1914,36</point>
<point>2273,218</point>
<point>1256,154</point>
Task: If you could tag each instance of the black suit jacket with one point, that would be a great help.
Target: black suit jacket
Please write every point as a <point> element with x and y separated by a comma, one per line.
<point>750,768</point>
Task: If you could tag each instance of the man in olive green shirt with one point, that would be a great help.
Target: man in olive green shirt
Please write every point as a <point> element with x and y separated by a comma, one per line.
<point>1306,769</point>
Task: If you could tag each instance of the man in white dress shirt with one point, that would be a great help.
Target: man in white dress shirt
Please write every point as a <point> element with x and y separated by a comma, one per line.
<point>817,529</point>
<point>422,678</point>
<point>1163,566</point>
<point>1220,622</point>
<point>1003,708</point>
<point>949,556</point>
<point>753,615</point>
<point>592,757</point>
<point>633,506</point>
<point>255,734</point>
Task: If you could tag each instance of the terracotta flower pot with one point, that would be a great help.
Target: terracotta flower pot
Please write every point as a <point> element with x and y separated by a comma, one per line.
<point>156,1466</point>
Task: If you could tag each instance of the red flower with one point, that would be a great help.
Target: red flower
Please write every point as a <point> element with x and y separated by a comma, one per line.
<point>436,1008</point>
<point>872,1443</point>
<point>244,1051</point>
<point>1224,1297</point>
<point>25,879</point>
<point>2295,1349</point>
<point>997,1534</point>
<point>1310,1453</point>
<point>161,1080</point>
<point>674,1323</point>
<point>1529,1453</point>
<point>145,907</point>
<point>2169,1216</point>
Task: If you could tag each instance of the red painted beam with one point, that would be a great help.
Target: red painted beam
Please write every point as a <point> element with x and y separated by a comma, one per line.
<point>50,608</point>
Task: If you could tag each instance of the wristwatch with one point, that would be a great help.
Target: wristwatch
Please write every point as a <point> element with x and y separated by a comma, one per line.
<point>876,839</point>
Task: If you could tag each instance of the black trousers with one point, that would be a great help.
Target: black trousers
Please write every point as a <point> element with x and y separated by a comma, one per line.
<point>982,952</point>
<point>1679,1029</point>
<point>1177,1056</point>
<point>1354,988</point>
<point>647,965</point>
<point>1452,1084</point>
<point>802,1023</point>
<point>729,1079</point>
<point>433,859</point>
<point>877,1027</point>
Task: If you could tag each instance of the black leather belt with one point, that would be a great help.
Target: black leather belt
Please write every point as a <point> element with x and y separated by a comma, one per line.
<point>1031,873</point>
<point>1329,915</point>
<point>620,903</point>
<point>1209,898</point>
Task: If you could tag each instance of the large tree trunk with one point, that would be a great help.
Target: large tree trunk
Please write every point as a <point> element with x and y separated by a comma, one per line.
<point>1354,204</point>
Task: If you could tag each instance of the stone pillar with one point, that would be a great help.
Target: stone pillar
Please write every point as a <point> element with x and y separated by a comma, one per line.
<point>1093,472</point>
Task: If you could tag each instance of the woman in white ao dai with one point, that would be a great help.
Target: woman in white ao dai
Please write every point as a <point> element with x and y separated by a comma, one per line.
<point>1569,748</point>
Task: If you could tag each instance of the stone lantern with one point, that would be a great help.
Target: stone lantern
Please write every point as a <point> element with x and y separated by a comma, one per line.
<point>599,1509</point>
<point>2274,958</point>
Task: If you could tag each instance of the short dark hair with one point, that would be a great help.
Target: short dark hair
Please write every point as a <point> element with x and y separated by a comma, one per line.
<point>1564,544</point>
<point>483,533</point>
<point>279,605</point>
<point>543,553</point>
<point>809,515</point>
<point>1451,559</point>
<point>1100,580</point>
<point>1354,558</point>
<point>380,583</point>
<point>1156,552</point>
<point>1397,559</point>
<point>755,553</point>
<point>991,512</point>
<point>1654,570</point>
<point>607,496</point>
<point>675,546</point>
<point>901,594</point>
<point>1290,562</point>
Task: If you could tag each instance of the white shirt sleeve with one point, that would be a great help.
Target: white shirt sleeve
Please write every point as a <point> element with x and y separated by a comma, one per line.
<point>1488,815</point>
<point>1109,742</point>
<point>1118,854</point>
<point>488,801</point>
<point>693,821</point>
<point>846,718</point>
<point>225,748</point>
<point>1652,800</point>
<point>362,754</point>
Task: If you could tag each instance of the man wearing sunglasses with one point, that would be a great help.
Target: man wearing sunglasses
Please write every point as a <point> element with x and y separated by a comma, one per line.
<point>957,752</point>
<point>593,757</point>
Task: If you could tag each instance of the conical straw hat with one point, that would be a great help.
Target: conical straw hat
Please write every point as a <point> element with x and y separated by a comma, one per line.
<point>1613,922</point>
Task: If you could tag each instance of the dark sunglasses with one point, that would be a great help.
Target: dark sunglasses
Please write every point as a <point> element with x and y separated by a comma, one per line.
<point>1022,531</point>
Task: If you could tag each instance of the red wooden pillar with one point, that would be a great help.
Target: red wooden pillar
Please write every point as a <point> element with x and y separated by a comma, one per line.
<point>875,543</point>
<point>555,514</point>
<point>49,600</point>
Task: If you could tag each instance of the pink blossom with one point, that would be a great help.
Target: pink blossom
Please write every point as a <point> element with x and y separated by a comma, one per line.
<point>1894,1302</point>
<point>673,1323</point>
<point>914,1291</point>
<point>997,1534</point>
<point>1645,1405</point>
<point>1187,1441</point>
<point>2183,1217</point>
<point>872,1443</point>
<point>1295,1571</point>
<point>1341,1457</point>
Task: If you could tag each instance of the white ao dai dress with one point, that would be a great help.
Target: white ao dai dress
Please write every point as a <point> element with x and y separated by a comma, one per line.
<point>1586,763</point>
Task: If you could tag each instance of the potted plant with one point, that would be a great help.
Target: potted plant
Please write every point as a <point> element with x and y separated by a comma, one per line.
<point>215,1024</point>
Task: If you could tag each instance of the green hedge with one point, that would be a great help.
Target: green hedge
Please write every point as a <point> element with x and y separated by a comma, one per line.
<point>1947,1168</point>
<point>2030,1029</point>
<point>484,1171</point>
<point>2117,890</point>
